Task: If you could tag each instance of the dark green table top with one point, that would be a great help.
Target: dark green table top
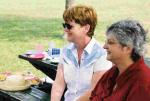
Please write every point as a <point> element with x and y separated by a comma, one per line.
<point>47,67</point>
<point>31,94</point>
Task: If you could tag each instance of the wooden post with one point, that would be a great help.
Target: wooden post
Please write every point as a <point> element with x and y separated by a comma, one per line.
<point>69,3</point>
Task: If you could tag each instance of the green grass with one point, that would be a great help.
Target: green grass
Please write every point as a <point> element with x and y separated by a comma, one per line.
<point>23,29</point>
<point>26,23</point>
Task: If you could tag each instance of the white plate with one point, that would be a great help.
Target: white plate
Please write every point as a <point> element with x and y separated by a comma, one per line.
<point>54,59</point>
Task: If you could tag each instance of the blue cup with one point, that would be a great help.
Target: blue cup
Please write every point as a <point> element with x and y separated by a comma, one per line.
<point>55,51</point>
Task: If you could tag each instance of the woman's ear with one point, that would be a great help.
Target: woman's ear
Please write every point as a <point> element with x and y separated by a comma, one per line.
<point>86,28</point>
<point>128,49</point>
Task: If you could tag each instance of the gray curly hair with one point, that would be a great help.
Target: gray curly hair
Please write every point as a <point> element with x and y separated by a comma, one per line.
<point>129,33</point>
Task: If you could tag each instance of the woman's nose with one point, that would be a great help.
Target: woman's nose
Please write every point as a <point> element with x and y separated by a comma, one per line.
<point>105,46</point>
<point>65,30</point>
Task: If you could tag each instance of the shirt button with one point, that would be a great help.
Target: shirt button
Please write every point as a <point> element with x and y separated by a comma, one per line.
<point>75,91</point>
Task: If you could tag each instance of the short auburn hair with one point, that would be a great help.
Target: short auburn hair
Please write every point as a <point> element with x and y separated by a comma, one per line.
<point>82,15</point>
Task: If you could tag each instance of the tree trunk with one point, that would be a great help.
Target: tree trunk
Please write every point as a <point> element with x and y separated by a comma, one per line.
<point>69,3</point>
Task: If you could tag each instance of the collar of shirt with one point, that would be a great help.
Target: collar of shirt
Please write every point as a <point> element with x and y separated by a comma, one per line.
<point>131,70</point>
<point>87,53</point>
<point>87,49</point>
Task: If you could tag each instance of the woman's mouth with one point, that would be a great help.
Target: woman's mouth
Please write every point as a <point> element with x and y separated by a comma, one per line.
<point>69,34</point>
<point>108,52</point>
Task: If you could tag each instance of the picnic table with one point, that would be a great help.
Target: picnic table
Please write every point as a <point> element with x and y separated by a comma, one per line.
<point>34,93</point>
<point>31,94</point>
<point>47,67</point>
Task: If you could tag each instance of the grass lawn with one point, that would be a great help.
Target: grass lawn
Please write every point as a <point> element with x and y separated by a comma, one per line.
<point>27,23</point>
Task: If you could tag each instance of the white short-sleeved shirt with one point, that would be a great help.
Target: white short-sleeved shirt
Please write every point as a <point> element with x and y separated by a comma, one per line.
<point>78,77</point>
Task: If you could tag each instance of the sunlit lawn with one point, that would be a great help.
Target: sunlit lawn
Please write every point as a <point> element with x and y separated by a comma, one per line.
<point>27,23</point>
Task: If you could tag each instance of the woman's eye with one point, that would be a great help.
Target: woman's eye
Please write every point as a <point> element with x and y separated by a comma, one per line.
<point>111,42</point>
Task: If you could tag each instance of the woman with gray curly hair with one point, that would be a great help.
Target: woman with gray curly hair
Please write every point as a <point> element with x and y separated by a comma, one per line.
<point>128,79</point>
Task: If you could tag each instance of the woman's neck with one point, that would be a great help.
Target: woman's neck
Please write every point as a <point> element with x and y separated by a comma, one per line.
<point>123,64</point>
<point>82,43</point>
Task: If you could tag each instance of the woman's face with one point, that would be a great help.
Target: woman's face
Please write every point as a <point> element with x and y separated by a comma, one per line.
<point>75,32</point>
<point>114,49</point>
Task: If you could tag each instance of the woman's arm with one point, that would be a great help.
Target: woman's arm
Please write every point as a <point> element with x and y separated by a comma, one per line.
<point>139,92</point>
<point>58,85</point>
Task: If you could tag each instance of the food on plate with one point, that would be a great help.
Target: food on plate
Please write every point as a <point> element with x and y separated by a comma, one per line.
<point>14,83</point>
<point>36,56</point>
<point>2,77</point>
<point>32,79</point>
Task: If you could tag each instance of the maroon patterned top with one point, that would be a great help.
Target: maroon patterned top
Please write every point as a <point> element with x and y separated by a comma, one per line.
<point>132,85</point>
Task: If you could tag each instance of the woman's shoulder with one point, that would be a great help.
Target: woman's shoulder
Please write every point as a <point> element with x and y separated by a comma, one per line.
<point>98,48</point>
<point>142,76</point>
<point>109,74</point>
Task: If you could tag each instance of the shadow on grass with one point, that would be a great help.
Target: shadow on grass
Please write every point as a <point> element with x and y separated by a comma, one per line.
<point>24,29</point>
